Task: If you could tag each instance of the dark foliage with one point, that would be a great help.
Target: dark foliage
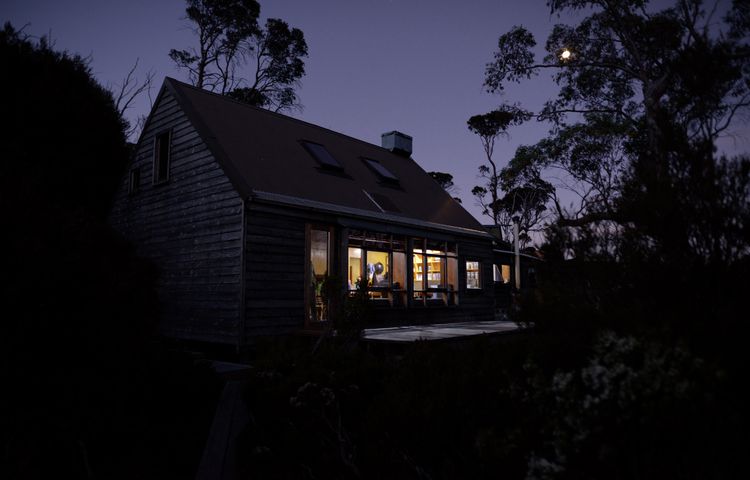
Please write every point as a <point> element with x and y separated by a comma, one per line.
<point>46,154</point>
<point>86,392</point>
<point>438,411</point>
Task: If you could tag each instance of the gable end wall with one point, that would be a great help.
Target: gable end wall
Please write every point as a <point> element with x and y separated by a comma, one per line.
<point>190,227</point>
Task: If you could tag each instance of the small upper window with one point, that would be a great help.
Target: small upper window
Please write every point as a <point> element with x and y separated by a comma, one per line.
<point>473,280</point>
<point>161,157</point>
<point>322,156</point>
<point>134,182</point>
<point>383,173</point>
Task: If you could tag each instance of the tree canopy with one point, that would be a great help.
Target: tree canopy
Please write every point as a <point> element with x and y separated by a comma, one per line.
<point>644,95</point>
<point>230,41</point>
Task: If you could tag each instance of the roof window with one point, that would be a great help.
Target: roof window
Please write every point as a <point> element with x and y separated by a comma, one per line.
<point>322,156</point>
<point>383,173</point>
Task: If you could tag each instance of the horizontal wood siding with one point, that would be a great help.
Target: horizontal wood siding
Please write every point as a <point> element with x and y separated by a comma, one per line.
<point>190,227</point>
<point>275,275</point>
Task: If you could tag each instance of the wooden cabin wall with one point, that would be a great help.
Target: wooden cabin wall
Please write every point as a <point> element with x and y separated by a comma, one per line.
<point>275,275</point>
<point>190,227</point>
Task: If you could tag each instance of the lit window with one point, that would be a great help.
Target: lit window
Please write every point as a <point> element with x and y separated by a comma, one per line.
<point>472,275</point>
<point>355,267</point>
<point>435,273</point>
<point>162,149</point>
<point>377,261</point>
<point>501,273</point>
<point>506,273</point>
<point>319,263</point>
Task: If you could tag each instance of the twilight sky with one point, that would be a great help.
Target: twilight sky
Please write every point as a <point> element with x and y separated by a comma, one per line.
<point>416,66</point>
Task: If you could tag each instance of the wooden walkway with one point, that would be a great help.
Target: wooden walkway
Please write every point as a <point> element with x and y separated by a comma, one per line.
<point>439,331</point>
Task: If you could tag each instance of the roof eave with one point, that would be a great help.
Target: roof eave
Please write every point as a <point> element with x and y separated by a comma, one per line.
<point>303,203</point>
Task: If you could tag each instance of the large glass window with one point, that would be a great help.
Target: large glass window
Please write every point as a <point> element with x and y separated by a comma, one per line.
<point>319,251</point>
<point>378,269</point>
<point>379,260</point>
<point>434,272</point>
<point>354,267</point>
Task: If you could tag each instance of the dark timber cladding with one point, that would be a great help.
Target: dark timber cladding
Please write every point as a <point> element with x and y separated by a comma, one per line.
<point>248,213</point>
<point>188,222</point>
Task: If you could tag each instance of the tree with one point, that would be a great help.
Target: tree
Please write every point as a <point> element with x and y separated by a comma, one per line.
<point>221,25</point>
<point>511,198</point>
<point>84,392</point>
<point>127,92</point>
<point>445,180</point>
<point>229,38</point>
<point>278,52</point>
<point>637,116</point>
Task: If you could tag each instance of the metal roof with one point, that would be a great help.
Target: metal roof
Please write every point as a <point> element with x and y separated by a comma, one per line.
<point>263,155</point>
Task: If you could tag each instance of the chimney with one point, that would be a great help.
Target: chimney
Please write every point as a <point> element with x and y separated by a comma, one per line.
<point>397,142</point>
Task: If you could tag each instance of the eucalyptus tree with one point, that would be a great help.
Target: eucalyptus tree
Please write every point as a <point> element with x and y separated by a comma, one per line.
<point>644,95</point>
<point>235,56</point>
<point>504,197</point>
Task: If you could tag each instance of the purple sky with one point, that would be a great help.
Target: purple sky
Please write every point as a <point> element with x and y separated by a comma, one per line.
<point>416,66</point>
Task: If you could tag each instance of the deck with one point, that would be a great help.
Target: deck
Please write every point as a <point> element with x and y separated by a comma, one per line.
<point>439,331</point>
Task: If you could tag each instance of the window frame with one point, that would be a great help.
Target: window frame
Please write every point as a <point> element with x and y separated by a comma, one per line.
<point>478,271</point>
<point>336,167</point>
<point>387,244</point>
<point>134,181</point>
<point>309,296</point>
<point>157,157</point>
<point>426,295</point>
<point>383,174</point>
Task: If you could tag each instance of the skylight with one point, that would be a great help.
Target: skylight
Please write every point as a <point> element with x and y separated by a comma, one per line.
<point>381,171</point>
<point>322,156</point>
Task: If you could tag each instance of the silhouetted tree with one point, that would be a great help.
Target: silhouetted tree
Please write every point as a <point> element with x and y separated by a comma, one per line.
<point>445,180</point>
<point>229,40</point>
<point>126,92</point>
<point>641,292</point>
<point>643,97</point>
<point>277,51</point>
<point>83,393</point>
<point>518,197</point>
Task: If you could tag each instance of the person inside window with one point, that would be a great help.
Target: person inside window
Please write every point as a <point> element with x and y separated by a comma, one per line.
<point>379,277</point>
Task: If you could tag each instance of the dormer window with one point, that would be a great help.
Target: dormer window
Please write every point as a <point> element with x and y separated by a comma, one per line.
<point>322,156</point>
<point>162,150</point>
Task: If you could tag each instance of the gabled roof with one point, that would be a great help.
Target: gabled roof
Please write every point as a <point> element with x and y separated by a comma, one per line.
<point>263,153</point>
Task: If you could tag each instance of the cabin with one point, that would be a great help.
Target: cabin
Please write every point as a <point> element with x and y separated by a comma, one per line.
<point>251,216</point>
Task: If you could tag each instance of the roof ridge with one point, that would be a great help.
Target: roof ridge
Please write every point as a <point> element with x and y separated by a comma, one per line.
<point>179,83</point>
